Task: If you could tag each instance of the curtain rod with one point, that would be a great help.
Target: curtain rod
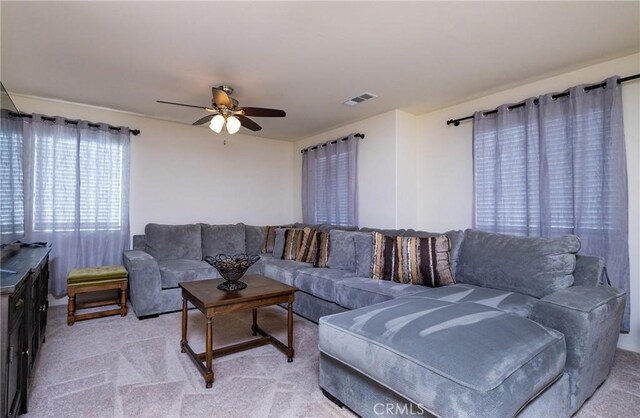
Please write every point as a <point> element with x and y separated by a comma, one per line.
<point>358,135</point>
<point>133,132</point>
<point>456,122</point>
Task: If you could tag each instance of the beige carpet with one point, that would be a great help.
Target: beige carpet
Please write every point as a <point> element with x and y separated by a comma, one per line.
<point>123,367</point>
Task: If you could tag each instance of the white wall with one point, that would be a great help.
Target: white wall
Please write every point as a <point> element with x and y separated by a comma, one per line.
<point>445,169</point>
<point>182,173</point>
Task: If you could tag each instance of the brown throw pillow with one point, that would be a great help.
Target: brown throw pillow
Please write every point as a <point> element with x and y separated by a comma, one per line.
<point>423,261</point>
<point>292,243</point>
<point>322,249</point>
<point>269,239</point>
<point>382,257</point>
<point>308,248</point>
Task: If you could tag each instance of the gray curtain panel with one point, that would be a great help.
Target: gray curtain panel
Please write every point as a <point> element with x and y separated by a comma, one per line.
<point>557,168</point>
<point>11,179</point>
<point>77,193</point>
<point>330,183</point>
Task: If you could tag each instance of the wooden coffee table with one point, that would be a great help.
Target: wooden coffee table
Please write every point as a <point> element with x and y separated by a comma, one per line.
<point>260,292</point>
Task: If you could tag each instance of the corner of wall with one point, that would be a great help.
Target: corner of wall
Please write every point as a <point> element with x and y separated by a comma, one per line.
<point>406,193</point>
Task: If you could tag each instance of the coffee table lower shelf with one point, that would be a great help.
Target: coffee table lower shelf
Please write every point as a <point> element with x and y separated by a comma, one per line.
<point>200,359</point>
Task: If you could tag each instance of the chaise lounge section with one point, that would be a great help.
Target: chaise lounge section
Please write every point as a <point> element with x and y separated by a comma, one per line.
<point>528,329</point>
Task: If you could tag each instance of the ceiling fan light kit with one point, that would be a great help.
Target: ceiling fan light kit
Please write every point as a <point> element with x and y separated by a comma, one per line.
<point>233,124</point>
<point>225,111</point>
<point>217,123</point>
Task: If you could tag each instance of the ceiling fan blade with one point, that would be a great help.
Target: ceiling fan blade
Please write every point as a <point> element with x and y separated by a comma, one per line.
<point>203,120</point>
<point>220,98</point>
<point>263,112</point>
<point>182,104</point>
<point>248,123</point>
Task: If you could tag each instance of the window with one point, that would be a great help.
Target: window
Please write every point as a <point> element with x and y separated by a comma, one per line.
<point>77,179</point>
<point>329,183</point>
<point>333,188</point>
<point>11,180</point>
<point>510,172</point>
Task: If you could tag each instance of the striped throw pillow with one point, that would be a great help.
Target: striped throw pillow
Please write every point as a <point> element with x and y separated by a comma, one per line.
<point>292,243</point>
<point>423,261</point>
<point>322,249</point>
<point>308,248</point>
<point>382,257</point>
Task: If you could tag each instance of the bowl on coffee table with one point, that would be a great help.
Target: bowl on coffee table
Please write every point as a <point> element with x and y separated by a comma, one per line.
<point>232,268</point>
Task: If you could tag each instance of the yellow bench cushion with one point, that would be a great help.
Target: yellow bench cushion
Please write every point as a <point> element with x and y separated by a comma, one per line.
<point>96,275</point>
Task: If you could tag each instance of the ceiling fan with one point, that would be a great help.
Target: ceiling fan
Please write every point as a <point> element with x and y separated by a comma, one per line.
<point>225,111</point>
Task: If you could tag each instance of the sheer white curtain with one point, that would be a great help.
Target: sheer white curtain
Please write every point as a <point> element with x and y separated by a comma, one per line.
<point>558,168</point>
<point>330,184</point>
<point>76,193</point>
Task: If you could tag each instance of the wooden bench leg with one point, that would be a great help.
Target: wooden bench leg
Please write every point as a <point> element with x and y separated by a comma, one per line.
<point>123,300</point>
<point>71,307</point>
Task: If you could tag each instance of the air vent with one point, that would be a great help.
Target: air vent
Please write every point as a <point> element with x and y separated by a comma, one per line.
<point>359,99</point>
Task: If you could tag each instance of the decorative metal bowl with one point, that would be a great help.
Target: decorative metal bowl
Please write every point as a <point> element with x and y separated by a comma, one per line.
<point>232,268</point>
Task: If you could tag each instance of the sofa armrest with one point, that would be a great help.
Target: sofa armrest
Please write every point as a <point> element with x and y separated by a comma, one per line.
<point>145,287</point>
<point>589,317</point>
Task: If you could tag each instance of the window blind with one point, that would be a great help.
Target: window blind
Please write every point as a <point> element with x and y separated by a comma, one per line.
<point>332,176</point>
<point>329,183</point>
<point>508,175</point>
<point>11,180</point>
<point>78,184</point>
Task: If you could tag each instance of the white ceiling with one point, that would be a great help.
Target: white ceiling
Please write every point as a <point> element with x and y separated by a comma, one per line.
<point>305,58</point>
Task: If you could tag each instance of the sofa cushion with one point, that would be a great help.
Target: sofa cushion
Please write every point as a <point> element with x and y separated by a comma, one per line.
<point>383,254</point>
<point>322,250</point>
<point>254,238</point>
<point>223,239</point>
<point>173,272</point>
<point>320,282</point>
<point>423,261</point>
<point>172,242</point>
<point>283,271</point>
<point>342,250</point>
<point>455,239</point>
<point>363,245</point>
<point>292,243</point>
<point>589,270</point>
<point>138,243</point>
<point>308,246</point>
<point>357,292</point>
<point>269,239</point>
<point>278,242</point>
<point>517,303</point>
<point>529,265</point>
<point>455,359</point>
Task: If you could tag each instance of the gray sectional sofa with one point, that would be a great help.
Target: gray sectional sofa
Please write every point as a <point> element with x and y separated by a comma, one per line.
<point>529,328</point>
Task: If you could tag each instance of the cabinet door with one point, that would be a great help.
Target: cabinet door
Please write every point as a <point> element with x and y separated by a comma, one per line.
<point>44,302</point>
<point>16,360</point>
<point>34,319</point>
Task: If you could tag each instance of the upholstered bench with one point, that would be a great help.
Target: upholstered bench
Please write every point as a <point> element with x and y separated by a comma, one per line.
<point>94,280</point>
<point>448,359</point>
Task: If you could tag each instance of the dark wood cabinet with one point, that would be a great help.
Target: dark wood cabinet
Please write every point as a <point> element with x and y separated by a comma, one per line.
<point>23,320</point>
